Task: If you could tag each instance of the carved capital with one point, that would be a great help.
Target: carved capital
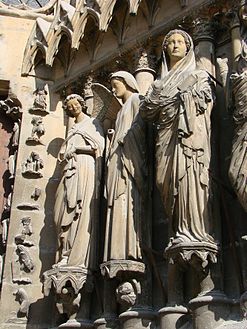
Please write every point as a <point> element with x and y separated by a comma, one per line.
<point>204,29</point>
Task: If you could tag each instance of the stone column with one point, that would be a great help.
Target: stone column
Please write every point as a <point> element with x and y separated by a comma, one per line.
<point>204,40</point>
<point>145,69</point>
<point>236,38</point>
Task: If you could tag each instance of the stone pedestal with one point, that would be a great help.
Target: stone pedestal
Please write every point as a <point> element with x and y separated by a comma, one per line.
<point>137,319</point>
<point>173,317</point>
<point>144,78</point>
<point>212,309</point>
<point>77,324</point>
<point>106,323</point>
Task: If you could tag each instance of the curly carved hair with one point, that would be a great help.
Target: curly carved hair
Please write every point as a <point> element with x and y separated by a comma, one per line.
<point>79,99</point>
<point>181,32</point>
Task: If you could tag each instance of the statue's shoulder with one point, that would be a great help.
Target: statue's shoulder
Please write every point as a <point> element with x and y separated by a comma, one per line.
<point>201,74</point>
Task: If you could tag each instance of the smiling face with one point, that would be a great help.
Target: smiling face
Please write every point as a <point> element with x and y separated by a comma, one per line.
<point>119,88</point>
<point>176,47</point>
<point>74,107</point>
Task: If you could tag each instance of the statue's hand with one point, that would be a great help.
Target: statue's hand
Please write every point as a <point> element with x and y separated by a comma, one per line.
<point>70,153</point>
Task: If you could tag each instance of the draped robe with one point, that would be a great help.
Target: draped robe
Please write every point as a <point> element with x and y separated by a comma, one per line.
<point>180,104</point>
<point>125,187</point>
<point>76,206</point>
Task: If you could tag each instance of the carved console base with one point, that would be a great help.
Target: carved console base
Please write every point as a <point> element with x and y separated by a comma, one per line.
<point>59,276</point>
<point>173,317</point>
<point>188,253</point>
<point>70,284</point>
<point>212,308</point>
<point>115,268</point>
<point>137,319</point>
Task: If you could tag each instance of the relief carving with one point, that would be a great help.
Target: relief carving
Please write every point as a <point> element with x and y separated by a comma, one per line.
<point>23,299</point>
<point>23,264</point>
<point>40,102</point>
<point>38,130</point>
<point>26,232</point>
<point>25,260</point>
<point>127,293</point>
<point>32,166</point>
<point>36,193</point>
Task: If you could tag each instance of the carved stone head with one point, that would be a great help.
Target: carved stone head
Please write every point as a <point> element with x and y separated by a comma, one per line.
<point>74,103</point>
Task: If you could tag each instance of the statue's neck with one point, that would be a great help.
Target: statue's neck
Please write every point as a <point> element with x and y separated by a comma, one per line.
<point>80,117</point>
<point>126,95</point>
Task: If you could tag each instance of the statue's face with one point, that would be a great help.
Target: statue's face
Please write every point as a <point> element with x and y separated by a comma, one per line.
<point>74,107</point>
<point>118,88</point>
<point>176,47</point>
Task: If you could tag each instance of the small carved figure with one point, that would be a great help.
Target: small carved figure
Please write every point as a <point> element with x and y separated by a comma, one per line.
<point>24,259</point>
<point>16,133</point>
<point>11,165</point>
<point>36,193</point>
<point>40,103</point>
<point>5,227</point>
<point>37,131</point>
<point>125,183</point>
<point>33,165</point>
<point>22,297</point>
<point>68,302</point>
<point>180,103</point>
<point>26,231</point>
<point>126,294</point>
<point>27,227</point>
<point>77,197</point>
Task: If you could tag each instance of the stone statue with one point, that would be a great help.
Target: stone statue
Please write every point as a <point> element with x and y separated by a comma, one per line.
<point>40,102</point>
<point>237,170</point>
<point>76,206</point>
<point>125,182</point>
<point>180,104</point>
<point>38,129</point>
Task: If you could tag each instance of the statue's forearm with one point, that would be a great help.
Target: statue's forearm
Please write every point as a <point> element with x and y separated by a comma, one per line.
<point>88,149</point>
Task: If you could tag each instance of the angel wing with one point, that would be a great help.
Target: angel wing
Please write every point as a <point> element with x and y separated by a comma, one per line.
<point>106,105</point>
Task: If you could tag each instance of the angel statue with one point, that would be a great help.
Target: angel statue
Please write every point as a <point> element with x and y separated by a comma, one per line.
<point>180,104</point>
<point>238,165</point>
<point>77,196</point>
<point>126,172</point>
